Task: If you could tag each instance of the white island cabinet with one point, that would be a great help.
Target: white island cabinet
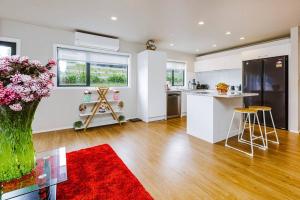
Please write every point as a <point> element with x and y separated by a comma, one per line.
<point>209,114</point>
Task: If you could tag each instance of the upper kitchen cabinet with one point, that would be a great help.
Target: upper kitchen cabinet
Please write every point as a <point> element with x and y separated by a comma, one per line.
<point>267,50</point>
<point>219,61</point>
<point>232,59</point>
<point>151,80</point>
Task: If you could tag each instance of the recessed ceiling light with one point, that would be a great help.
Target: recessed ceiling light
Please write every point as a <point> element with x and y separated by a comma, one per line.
<point>114,18</point>
<point>214,45</point>
<point>197,50</point>
<point>228,33</point>
<point>201,23</point>
<point>242,38</point>
<point>172,44</point>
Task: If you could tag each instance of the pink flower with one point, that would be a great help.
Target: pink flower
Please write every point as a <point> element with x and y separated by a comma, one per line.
<point>14,58</point>
<point>25,81</point>
<point>16,107</point>
<point>17,78</point>
<point>24,59</point>
<point>7,96</point>
<point>35,62</point>
<point>52,62</point>
<point>4,65</point>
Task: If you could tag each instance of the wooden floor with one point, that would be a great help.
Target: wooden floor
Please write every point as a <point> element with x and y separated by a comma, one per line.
<point>173,165</point>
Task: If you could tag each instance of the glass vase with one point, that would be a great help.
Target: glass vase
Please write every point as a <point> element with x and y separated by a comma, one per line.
<point>16,146</point>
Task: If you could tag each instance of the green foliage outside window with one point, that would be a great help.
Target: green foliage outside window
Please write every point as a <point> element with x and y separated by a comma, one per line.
<point>101,75</point>
<point>175,77</point>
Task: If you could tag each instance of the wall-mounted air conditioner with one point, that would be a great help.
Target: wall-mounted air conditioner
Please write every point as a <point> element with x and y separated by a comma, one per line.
<point>96,41</point>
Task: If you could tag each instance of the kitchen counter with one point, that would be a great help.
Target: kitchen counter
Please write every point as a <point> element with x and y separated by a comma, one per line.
<point>214,93</point>
<point>209,114</point>
<point>185,90</point>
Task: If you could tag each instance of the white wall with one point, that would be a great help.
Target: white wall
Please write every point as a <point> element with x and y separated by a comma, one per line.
<point>294,66</point>
<point>60,110</point>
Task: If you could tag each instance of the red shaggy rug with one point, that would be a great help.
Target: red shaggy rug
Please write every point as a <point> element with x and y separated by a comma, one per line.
<point>98,173</point>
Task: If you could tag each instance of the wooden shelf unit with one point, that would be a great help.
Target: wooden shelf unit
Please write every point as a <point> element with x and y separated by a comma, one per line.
<point>96,104</point>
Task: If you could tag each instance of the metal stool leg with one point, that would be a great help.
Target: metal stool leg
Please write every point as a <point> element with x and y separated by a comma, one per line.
<point>261,134</point>
<point>228,133</point>
<point>263,147</point>
<point>274,130</point>
<point>253,126</point>
<point>244,127</point>
<point>240,125</point>
<point>251,134</point>
<point>265,128</point>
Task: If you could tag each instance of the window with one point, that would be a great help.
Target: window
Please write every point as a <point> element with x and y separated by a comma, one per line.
<point>87,68</point>
<point>7,48</point>
<point>176,73</point>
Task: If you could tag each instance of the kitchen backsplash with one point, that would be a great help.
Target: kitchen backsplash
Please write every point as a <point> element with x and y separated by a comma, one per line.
<point>229,76</point>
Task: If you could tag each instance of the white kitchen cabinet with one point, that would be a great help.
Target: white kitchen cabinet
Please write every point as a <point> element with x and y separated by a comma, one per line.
<point>267,52</point>
<point>218,62</point>
<point>183,103</point>
<point>232,59</point>
<point>151,80</point>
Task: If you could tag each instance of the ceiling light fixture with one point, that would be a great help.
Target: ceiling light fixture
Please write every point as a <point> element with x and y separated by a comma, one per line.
<point>172,44</point>
<point>113,18</point>
<point>201,23</point>
<point>214,45</point>
<point>228,33</point>
<point>242,38</point>
<point>197,50</point>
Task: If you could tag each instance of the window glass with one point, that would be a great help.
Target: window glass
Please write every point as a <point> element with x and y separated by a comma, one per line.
<point>107,75</point>
<point>176,73</point>
<point>169,75</point>
<point>5,51</point>
<point>178,77</point>
<point>85,68</point>
<point>7,48</point>
<point>72,73</point>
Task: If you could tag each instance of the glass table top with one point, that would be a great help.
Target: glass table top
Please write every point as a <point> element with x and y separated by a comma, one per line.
<point>51,169</point>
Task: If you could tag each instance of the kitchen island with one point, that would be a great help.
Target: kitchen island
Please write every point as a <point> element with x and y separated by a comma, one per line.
<point>209,114</point>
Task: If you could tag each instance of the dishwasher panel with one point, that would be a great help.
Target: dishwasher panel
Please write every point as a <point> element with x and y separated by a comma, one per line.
<point>173,104</point>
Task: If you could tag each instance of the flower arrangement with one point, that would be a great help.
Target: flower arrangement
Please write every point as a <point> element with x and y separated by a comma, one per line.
<point>23,81</point>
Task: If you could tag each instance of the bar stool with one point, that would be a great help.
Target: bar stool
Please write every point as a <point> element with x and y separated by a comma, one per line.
<point>264,109</point>
<point>248,112</point>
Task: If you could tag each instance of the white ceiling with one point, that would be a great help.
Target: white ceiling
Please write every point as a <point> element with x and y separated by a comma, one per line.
<point>169,21</point>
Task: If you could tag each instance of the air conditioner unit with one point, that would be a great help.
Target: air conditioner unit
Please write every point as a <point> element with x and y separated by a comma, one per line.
<point>96,41</point>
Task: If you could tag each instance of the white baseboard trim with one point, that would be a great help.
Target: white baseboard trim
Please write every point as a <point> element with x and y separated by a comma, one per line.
<point>50,130</point>
<point>293,131</point>
<point>151,119</point>
<point>60,128</point>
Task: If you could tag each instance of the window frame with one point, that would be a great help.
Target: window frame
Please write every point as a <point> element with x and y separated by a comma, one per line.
<point>184,73</point>
<point>88,64</point>
<point>12,42</point>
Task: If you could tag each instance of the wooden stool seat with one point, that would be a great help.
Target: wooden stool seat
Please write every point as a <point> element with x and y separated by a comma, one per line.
<point>261,108</point>
<point>245,110</point>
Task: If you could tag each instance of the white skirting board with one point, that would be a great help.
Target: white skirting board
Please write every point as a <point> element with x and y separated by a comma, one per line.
<point>71,127</point>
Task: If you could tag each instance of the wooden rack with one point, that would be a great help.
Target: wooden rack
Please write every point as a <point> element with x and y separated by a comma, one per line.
<point>100,102</point>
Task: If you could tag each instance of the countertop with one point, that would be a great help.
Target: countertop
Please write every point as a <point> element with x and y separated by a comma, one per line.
<point>188,90</point>
<point>214,93</point>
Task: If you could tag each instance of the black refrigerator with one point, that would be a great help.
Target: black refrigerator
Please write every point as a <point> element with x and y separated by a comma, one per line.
<point>269,78</point>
